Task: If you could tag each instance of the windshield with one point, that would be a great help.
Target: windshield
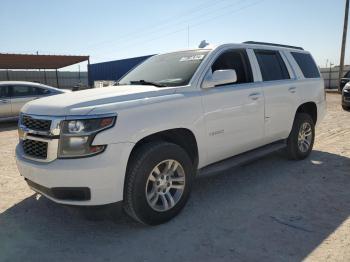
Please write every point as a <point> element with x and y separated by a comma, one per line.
<point>347,75</point>
<point>173,69</point>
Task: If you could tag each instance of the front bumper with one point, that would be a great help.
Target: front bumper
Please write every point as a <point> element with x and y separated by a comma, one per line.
<point>103,175</point>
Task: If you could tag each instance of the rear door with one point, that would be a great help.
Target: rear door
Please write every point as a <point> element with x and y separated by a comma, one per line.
<point>21,94</point>
<point>5,102</point>
<point>281,93</point>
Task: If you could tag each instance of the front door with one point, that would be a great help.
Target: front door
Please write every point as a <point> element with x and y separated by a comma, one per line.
<point>234,113</point>
<point>5,102</point>
<point>21,94</point>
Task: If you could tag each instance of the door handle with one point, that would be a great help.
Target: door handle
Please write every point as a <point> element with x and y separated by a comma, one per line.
<point>254,96</point>
<point>292,89</point>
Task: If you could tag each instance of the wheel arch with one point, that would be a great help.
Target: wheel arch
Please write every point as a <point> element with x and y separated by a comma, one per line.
<point>182,137</point>
<point>309,108</point>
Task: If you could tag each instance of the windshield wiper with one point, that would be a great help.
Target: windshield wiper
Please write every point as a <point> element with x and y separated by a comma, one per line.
<point>144,82</point>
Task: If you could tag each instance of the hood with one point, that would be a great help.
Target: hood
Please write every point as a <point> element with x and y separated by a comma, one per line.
<point>83,102</point>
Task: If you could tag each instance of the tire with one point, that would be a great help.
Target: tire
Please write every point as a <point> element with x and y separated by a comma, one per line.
<point>295,150</point>
<point>142,179</point>
<point>346,108</point>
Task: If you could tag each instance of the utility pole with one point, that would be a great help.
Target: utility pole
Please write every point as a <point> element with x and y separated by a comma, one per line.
<point>330,75</point>
<point>342,54</point>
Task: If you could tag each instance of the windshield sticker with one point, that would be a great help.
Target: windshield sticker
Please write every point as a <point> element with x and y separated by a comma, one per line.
<point>191,58</point>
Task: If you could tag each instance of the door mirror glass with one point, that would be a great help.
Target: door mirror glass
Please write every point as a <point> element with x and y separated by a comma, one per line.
<point>219,77</point>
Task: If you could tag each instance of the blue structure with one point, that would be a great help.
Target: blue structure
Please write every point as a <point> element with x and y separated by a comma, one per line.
<point>113,70</point>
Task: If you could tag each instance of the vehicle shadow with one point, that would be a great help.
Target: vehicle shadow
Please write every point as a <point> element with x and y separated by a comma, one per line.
<point>8,126</point>
<point>270,210</point>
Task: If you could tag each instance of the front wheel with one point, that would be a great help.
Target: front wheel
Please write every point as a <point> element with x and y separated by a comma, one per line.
<point>158,182</point>
<point>301,138</point>
<point>346,108</point>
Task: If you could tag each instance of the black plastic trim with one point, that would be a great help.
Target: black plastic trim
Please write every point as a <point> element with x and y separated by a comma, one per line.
<point>63,193</point>
<point>272,44</point>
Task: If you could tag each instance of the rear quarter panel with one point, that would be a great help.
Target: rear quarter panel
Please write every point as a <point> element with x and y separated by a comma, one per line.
<point>311,89</point>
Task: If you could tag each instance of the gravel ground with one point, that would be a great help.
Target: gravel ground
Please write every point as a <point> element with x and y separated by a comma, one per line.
<point>270,210</point>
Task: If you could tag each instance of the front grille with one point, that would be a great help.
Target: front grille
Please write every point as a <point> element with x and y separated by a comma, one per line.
<point>36,149</point>
<point>36,124</point>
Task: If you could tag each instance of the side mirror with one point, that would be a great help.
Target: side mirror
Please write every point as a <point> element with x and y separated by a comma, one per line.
<point>219,77</point>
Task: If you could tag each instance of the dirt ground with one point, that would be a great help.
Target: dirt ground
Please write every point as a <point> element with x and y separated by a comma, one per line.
<point>270,210</point>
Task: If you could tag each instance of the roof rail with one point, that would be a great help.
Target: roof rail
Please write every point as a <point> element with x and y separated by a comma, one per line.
<point>272,44</point>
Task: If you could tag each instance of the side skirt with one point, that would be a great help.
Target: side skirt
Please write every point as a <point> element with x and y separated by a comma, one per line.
<point>243,158</point>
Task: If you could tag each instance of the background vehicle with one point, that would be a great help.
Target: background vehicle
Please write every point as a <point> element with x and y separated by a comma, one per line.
<point>344,80</point>
<point>14,94</point>
<point>346,97</point>
<point>142,142</point>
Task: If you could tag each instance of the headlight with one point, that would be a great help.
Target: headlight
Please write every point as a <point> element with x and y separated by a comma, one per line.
<point>347,87</point>
<point>77,136</point>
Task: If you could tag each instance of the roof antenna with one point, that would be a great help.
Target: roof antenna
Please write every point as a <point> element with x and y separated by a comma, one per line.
<point>203,44</point>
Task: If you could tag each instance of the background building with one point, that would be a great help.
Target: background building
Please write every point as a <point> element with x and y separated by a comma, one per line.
<point>43,69</point>
<point>112,70</point>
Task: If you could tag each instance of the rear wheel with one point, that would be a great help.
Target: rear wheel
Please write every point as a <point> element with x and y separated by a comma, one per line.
<point>301,139</point>
<point>158,182</point>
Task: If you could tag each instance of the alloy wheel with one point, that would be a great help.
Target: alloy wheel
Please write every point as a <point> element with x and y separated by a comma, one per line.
<point>305,137</point>
<point>165,185</point>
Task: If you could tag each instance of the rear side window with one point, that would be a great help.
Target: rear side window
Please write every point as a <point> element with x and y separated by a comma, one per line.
<point>271,65</point>
<point>237,60</point>
<point>20,91</point>
<point>40,91</point>
<point>306,64</point>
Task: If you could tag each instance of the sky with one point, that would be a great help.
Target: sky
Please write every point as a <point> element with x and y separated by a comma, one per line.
<point>114,29</point>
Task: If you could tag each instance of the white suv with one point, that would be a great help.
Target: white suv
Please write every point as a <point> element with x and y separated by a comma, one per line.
<point>143,140</point>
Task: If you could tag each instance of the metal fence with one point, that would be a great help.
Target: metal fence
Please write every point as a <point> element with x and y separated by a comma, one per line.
<point>330,76</point>
<point>66,79</point>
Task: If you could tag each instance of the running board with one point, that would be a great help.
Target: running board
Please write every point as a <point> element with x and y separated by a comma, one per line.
<point>242,158</point>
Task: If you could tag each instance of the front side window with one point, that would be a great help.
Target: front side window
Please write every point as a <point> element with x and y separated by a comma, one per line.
<point>173,69</point>
<point>271,65</point>
<point>21,91</point>
<point>237,60</point>
<point>306,64</point>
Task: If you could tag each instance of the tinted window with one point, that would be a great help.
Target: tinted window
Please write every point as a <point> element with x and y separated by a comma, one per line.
<point>236,60</point>
<point>19,91</point>
<point>271,65</point>
<point>4,91</point>
<point>40,91</point>
<point>306,64</point>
